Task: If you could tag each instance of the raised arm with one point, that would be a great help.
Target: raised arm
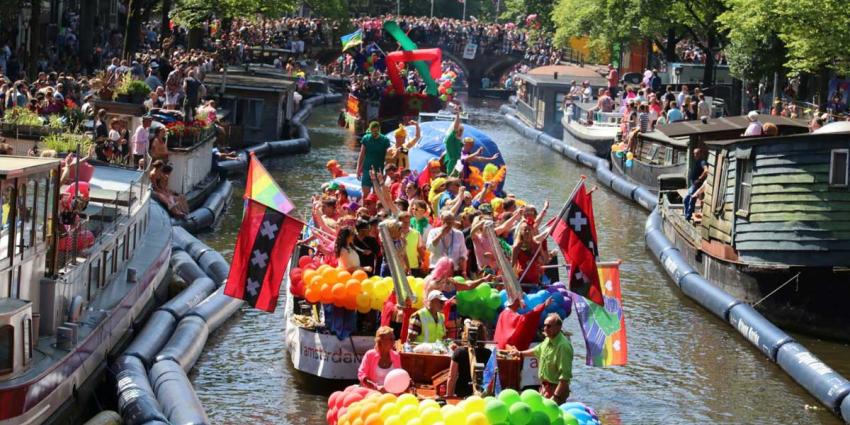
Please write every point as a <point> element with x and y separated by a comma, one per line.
<point>418,136</point>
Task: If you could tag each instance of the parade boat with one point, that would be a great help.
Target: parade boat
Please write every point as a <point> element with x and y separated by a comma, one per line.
<point>667,150</point>
<point>390,110</point>
<point>590,131</point>
<point>81,265</point>
<point>773,228</point>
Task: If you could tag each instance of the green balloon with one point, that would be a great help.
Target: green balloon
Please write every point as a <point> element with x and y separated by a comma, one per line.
<point>569,419</point>
<point>551,409</point>
<point>558,421</point>
<point>450,90</point>
<point>533,399</point>
<point>496,411</point>
<point>483,291</point>
<point>509,396</point>
<point>520,413</point>
<point>494,301</point>
<point>539,418</point>
<point>459,279</point>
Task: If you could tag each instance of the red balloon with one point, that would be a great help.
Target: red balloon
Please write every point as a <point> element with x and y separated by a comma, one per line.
<point>304,260</point>
<point>331,417</point>
<point>334,399</point>
<point>352,397</point>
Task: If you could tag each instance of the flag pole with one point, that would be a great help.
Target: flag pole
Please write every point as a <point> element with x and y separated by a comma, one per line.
<point>552,227</point>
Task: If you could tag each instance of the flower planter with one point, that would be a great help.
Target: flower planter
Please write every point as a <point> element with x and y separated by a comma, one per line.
<point>124,98</point>
<point>137,98</point>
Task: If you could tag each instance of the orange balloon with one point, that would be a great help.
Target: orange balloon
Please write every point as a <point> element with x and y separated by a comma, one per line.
<point>329,278</point>
<point>338,292</point>
<point>326,296</point>
<point>313,294</point>
<point>322,268</point>
<point>343,276</point>
<point>307,275</point>
<point>359,275</point>
<point>352,287</point>
<point>353,411</point>
<point>386,398</point>
<point>357,421</point>
<point>374,419</point>
<point>315,281</point>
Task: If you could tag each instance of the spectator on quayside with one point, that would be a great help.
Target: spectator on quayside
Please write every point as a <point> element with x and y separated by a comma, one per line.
<point>428,324</point>
<point>613,80</point>
<point>680,98</point>
<point>674,114</point>
<point>379,361</point>
<point>555,360</point>
<point>373,153</point>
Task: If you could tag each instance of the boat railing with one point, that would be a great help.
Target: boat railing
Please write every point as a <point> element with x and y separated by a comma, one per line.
<point>586,115</point>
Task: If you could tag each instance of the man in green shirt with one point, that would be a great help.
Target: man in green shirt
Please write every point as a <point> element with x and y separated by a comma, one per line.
<point>373,153</point>
<point>453,145</point>
<point>555,360</point>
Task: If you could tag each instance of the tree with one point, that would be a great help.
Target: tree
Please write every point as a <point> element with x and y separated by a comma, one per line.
<point>193,13</point>
<point>517,11</point>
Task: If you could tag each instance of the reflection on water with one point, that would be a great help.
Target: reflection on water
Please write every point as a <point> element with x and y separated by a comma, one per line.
<point>685,366</point>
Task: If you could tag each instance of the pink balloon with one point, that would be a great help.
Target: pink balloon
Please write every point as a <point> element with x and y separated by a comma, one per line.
<point>397,381</point>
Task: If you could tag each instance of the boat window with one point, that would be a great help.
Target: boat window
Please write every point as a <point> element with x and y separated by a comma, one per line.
<point>5,284</point>
<point>108,264</point>
<point>121,251</point>
<point>19,216</point>
<point>745,186</point>
<point>7,346</point>
<point>721,172</point>
<point>28,215</point>
<point>668,155</point>
<point>132,244</point>
<point>41,210</point>
<point>653,152</point>
<point>7,192</point>
<point>15,284</point>
<point>250,112</point>
<point>94,276</point>
<point>838,168</point>
<point>27,347</point>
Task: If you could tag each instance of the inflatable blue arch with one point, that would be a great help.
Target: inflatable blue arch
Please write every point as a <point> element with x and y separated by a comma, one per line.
<point>430,147</point>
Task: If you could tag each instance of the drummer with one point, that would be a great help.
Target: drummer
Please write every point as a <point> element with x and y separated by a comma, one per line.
<point>379,361</point>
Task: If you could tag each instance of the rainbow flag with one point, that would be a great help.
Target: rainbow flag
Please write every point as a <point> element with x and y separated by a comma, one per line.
<point>261,187</point>
<point>604,327</point>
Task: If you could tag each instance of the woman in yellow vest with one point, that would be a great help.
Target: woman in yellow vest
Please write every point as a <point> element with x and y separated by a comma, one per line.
<point>428,324</point>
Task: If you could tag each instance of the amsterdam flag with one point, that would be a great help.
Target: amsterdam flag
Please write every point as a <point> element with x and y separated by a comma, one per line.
<point>265,243</point>
<point>575,234</point>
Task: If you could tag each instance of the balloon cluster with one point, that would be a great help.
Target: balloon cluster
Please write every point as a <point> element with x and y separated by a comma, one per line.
<point>621,150</point>
<point>371,61</point>
<point>561,302</point>
<point>481,303</point>
<point>445,88</point>
<point>510,407</point>
<point>354,291</point>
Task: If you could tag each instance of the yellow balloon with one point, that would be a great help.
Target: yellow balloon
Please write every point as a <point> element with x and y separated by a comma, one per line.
<point>414,421</point>
<point>387,410</point>
<point>367,286</point>
<point>454,416</point>
<point>393,420</point>
<point>425,404</point>
<point>430,416</point>
<point>408,412</point>
<point>407,399</point>
<point>477,418</point>
<point>387,398</point>
<point>474,404</point>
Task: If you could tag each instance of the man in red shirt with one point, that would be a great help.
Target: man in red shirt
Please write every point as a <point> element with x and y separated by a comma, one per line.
<point>518,330</point>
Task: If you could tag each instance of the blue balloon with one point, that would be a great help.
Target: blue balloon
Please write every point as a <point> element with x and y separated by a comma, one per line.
<point>629,163</point>
<point>580,414</point>
<point>572,405</point>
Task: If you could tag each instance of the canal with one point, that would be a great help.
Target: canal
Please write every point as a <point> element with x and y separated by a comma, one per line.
<point>685,365</point>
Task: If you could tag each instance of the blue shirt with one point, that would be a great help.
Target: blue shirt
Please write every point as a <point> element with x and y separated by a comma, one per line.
<point>674,115</point>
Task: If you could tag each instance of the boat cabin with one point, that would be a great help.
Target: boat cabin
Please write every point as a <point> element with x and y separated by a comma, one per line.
<point>783,200</point>
<point>668,150</point>
<point>259,104</point>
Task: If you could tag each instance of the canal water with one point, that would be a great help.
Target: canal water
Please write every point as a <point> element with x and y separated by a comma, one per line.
<point>685,365</point>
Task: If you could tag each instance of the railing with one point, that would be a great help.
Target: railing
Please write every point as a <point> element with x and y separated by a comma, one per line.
<point>586,116</point>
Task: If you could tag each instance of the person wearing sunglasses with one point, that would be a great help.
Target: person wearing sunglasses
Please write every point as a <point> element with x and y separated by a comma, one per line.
<point>555,360</point>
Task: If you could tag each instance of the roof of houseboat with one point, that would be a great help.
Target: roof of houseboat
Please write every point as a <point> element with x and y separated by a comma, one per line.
<point>716,125</point>
<point>545,75</point>
<point>253,79</point>
<point>11,166</point>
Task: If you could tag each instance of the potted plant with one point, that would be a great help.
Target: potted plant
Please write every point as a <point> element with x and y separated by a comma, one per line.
<point>22,121</point>
<point>131,90</point>
<point>66,142</point>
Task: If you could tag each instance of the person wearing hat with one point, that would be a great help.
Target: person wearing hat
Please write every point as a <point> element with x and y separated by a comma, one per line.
<point>755,128</point>
<point>446,241</point>
<point>398,154</point>
<point>373,153</point>
<point>428,324</point>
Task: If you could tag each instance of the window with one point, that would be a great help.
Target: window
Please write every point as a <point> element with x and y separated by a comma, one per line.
<point>653,152</point>
<point>8,194</point>
<point>16,283</point>
<point>838,168</point>
<point>19,217</point>
<point>668,155</point>
<point>745,186</point>
<point>41,210</point>
<point>27,346</point>
<point>108,264</point>
<point>5,284</point>
<point>7,346</point>
<point>250,113</point>
<point>28,215</point>
<point>721,173</point>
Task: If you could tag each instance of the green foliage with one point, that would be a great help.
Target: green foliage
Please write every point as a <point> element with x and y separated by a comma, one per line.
<point>192,13</point>
<point>22,116</point>
<point>128,85</point>
<point>66,142</point>
<point>517,10</point>
<point>56,122</point>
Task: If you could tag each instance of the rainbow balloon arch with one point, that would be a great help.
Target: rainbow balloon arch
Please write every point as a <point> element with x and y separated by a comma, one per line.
<point>361,406</point>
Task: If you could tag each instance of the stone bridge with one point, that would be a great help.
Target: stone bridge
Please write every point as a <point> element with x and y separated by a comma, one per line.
<point>484,63</point>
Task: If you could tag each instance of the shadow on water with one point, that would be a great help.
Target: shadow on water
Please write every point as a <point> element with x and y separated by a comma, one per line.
<point>685,366</point>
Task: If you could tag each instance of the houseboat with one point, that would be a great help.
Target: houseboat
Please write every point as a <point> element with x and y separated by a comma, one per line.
<point>541,92</point>
<point>390,110</point>
<point>590,131</point>
<point>81,265</point>
<point>667,150</point>
<point>773,227</point>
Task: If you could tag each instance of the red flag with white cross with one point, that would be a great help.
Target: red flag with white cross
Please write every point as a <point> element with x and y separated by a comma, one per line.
<point>575,234</point>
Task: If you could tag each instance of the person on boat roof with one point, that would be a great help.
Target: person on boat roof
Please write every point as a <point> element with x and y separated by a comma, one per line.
<point>373,153</point>
<point>428,324</point>
<point>379,361</point>
<point>453,144</point>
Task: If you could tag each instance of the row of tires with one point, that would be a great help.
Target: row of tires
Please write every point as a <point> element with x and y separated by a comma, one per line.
<point>821,381</point>
<point>151,374</point>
